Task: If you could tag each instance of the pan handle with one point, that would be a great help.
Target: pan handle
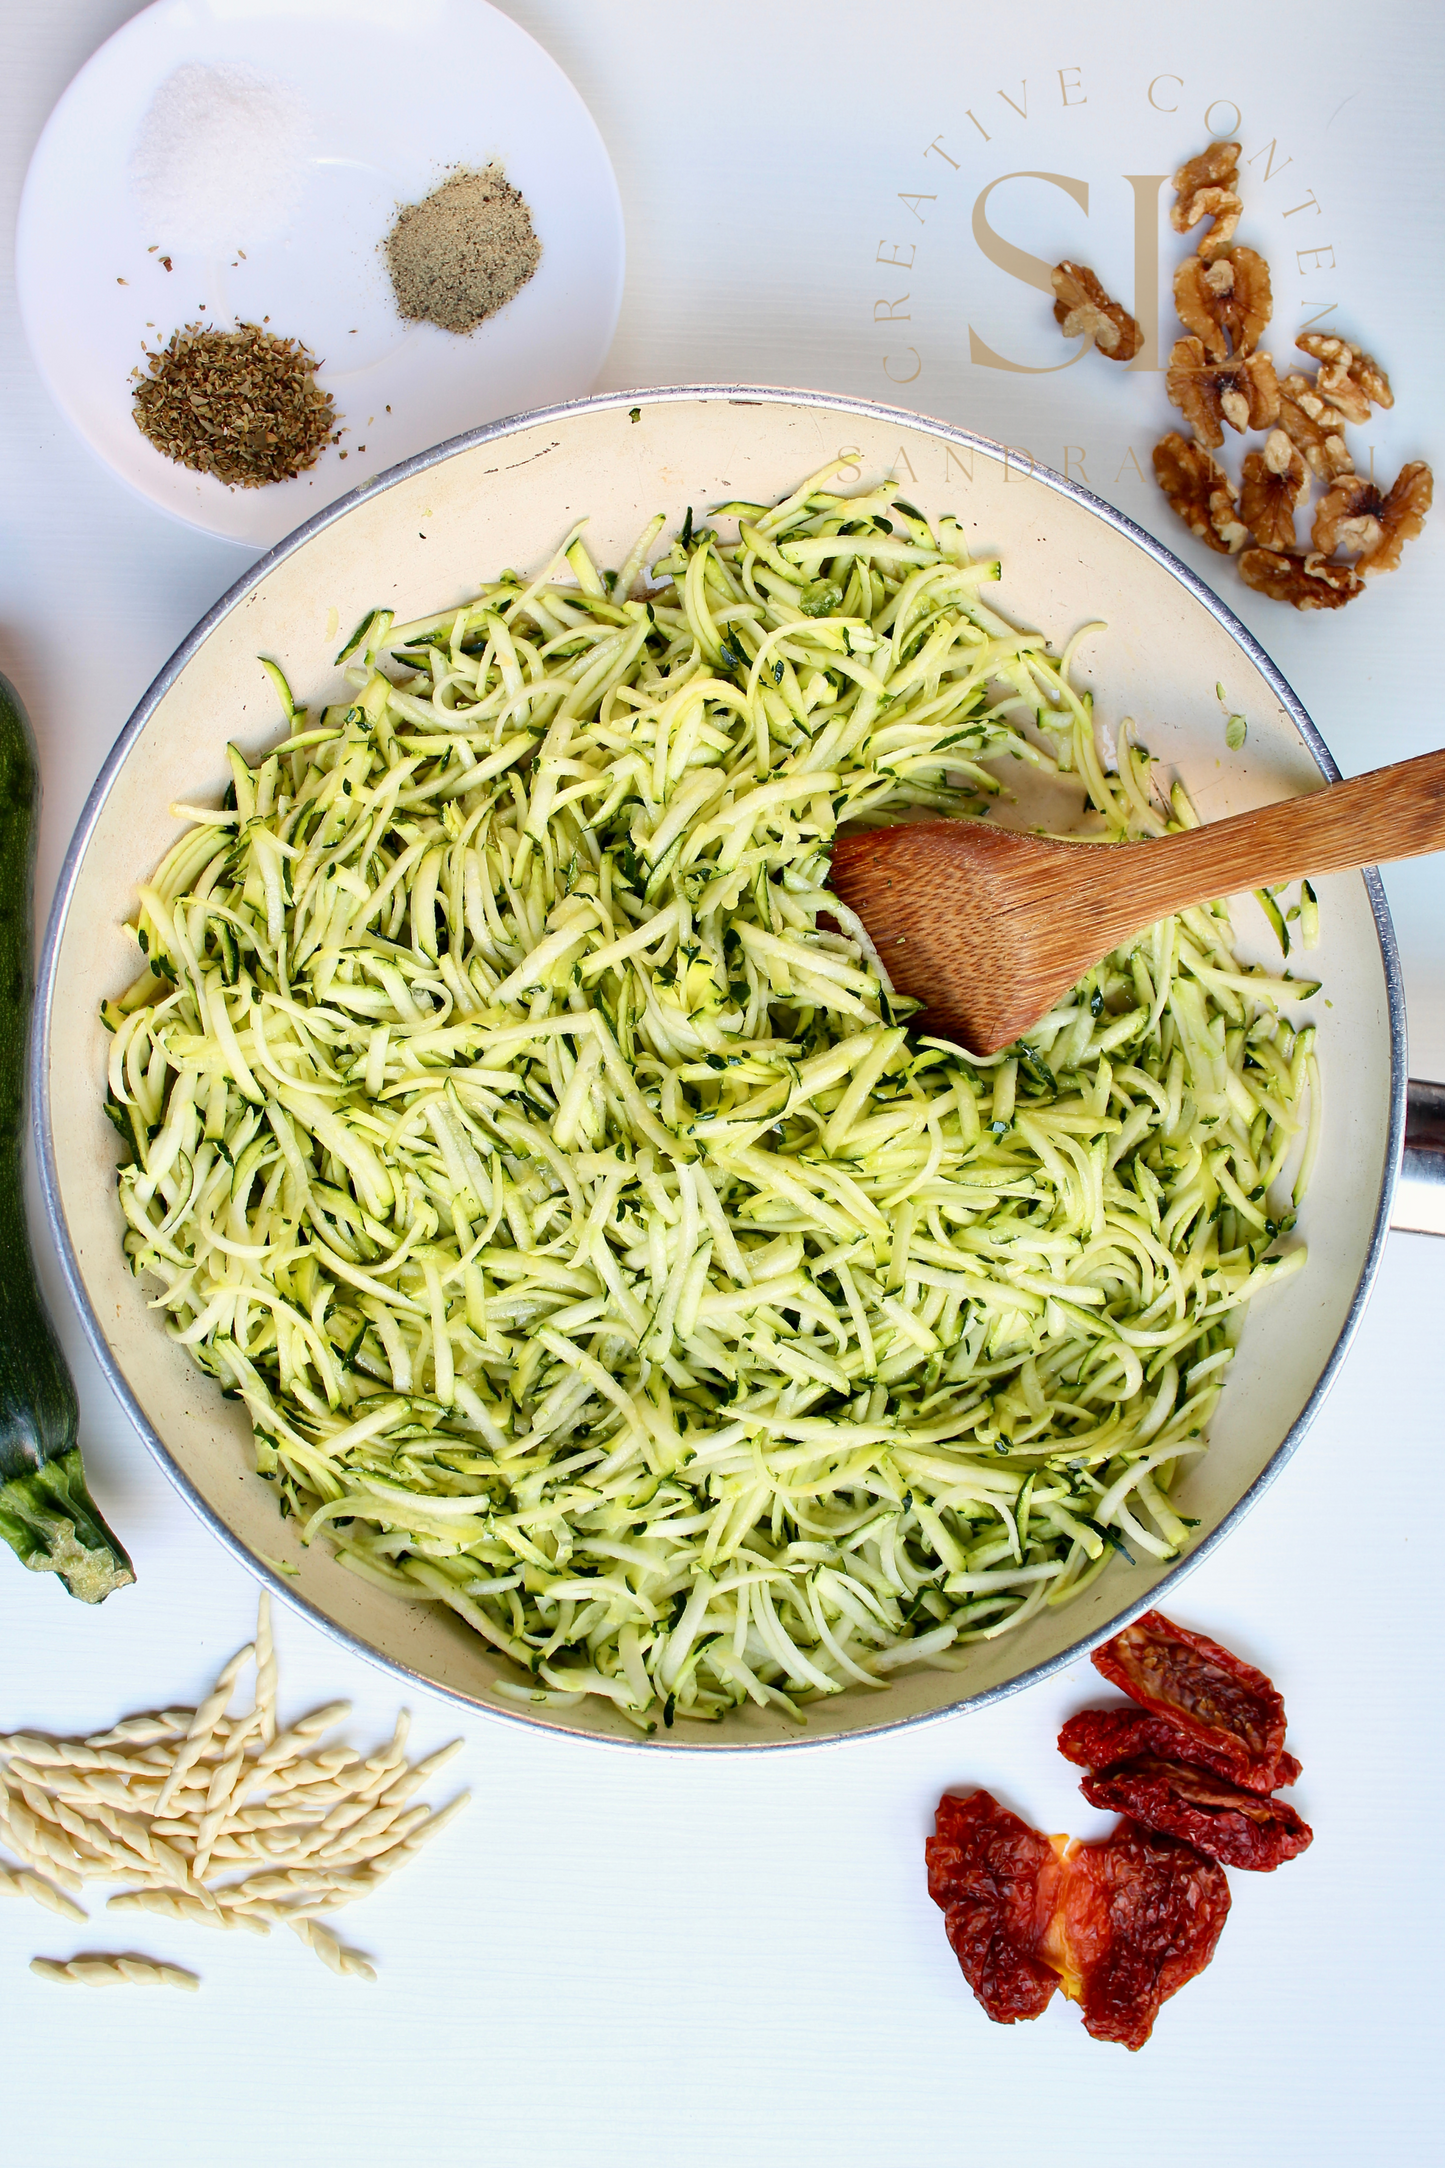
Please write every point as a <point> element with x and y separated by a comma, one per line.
<point>1420,1193</point>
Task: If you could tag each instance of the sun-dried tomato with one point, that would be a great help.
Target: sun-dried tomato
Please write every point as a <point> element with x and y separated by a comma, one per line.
<point>1139,1915</point>
<point>1220,1702</point>
<point>1220,1819</point>
<point>996,1881</point>
<point>1097,1738</point>
<point>1121,1925</point>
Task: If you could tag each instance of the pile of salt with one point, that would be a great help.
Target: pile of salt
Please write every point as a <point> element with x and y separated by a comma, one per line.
<point>220,160</point>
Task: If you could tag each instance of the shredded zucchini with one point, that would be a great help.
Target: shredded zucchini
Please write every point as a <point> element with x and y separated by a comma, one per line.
<point>518,1126</point>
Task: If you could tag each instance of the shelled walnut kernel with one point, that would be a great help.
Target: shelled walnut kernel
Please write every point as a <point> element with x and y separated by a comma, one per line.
<point>1310,582</point>
<point>1348,378</point>
<point>1242,391</point>
<point>1227,303</point>
<point>1200,492</point>
<point>1274,482</point>
<point>1217,377</point>
<point>1357,516</point>
<point>1205,187</point>
<point>1082,308</point>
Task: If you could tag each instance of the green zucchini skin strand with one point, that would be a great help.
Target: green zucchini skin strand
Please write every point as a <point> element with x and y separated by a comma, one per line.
<point>47,1514</point>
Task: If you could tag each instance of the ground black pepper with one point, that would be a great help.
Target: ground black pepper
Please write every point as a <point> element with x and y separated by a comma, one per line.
<point>243,405</point>
<point>461,255</point>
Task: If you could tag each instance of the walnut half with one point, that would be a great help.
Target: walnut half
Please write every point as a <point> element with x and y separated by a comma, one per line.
<point>1224,208</point>
<point>1321,441</point>
<point>1243,392</point>
<point>1200,492</point>
<point>1274,482</point>
<point>1084,309</point>
<point>1356,516</point>
<point>1216,167</point>
<point>1205,187</point>
<point>1310,583</point>
<point>1226,303</point>
<point>1348,378</point>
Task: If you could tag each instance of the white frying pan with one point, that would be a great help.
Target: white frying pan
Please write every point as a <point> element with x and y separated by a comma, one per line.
<point>418,539</point>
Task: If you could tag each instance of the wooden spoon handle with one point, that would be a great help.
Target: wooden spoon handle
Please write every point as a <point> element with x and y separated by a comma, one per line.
<point>1395,812</point>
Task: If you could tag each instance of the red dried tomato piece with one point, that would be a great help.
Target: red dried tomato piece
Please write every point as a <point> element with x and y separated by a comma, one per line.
<point>1220,1819</point>
<point>1221,1703</point>
<point>996,1881</point>
<point>1139,1915</point>
<point>1097,1738</point>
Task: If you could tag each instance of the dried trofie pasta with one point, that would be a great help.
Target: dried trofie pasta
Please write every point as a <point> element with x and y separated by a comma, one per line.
<point>106,1971</point>
<point>203,1729</point>
<point>169,1904</point>
<point>1083,309</point>
<point>21,1883</point>
<point>1200,492</point>
<point>1274,482</point>
<point>332,1953</point>
<point>1310,583</point>
<point>1242,391</point>
<point>1372,525</point>
<point>215,1819</point>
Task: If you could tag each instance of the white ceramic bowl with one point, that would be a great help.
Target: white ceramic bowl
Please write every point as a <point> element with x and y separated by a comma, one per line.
<point>418,539</point>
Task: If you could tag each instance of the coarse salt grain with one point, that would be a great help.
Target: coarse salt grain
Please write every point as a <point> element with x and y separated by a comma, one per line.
<point>220,158</point>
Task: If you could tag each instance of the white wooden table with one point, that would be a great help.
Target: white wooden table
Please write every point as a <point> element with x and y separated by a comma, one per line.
<point>627,1957</point>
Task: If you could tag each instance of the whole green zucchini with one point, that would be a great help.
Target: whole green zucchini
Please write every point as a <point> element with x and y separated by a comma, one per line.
<point>47,1515</point>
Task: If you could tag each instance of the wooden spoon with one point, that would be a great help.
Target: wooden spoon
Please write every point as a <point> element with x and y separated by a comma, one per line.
<point>988,927</point>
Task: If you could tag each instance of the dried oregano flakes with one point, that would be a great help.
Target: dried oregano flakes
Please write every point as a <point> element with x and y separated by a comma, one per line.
<point>243,405</point>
